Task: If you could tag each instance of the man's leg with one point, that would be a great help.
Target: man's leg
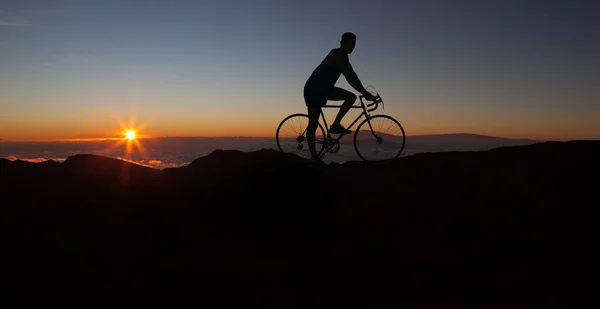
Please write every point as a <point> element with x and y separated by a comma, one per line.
<point>339,94</point>
<point>313,122</point>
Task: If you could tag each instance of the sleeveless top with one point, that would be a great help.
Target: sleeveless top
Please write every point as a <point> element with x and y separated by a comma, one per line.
<point>324,77</point>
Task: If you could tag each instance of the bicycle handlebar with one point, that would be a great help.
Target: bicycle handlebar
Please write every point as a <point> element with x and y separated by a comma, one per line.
<point>376,100</point>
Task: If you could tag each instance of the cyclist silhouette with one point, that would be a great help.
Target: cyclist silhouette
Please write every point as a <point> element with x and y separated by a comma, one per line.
<point>320,87</point>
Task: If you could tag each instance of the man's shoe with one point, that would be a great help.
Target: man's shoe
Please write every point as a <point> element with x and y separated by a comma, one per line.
<point>339,129</point>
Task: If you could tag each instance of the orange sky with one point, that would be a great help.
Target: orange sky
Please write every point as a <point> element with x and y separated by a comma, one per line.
<point>421,122</point>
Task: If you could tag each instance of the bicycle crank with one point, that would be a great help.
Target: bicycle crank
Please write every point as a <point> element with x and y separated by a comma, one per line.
<point>334,146</point>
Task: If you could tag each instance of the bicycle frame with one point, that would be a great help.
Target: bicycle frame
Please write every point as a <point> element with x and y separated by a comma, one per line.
<point>365,113</point>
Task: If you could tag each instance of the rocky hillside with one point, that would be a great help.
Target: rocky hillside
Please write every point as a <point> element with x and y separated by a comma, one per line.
<point>265,229</point>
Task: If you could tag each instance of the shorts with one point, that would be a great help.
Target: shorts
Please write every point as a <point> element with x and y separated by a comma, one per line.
<point>313,98</point>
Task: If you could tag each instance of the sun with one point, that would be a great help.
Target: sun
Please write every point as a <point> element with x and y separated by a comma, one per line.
<point>130,134</point>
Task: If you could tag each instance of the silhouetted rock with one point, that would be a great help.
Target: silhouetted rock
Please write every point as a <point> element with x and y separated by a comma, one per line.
<point>266,229</point>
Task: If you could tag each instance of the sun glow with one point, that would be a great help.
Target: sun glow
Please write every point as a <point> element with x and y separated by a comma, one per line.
<point>130,140</point>
<point>130,134</point>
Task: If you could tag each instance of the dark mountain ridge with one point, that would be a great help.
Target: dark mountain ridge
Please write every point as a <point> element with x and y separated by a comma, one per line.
<point>267,229</point>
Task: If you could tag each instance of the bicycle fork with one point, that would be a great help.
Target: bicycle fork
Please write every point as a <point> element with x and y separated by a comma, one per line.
<point>379,139</point>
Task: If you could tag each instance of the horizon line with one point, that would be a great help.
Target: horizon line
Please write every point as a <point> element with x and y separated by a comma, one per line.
<point>96,139</point>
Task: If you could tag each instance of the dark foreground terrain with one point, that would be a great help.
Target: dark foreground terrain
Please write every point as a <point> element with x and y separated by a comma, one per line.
<point>264,229</point>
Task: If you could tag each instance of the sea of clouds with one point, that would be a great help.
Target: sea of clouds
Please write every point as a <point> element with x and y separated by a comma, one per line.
<point>168,152</point>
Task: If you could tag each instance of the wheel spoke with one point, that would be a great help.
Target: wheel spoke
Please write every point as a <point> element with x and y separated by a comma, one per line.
<point>293,127</point>
<point>388,129</point>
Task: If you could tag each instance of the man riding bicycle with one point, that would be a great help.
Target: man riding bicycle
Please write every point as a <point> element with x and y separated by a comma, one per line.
<point>320,87</point>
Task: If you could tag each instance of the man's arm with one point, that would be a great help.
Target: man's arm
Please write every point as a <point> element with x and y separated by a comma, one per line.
<point>350,75</point>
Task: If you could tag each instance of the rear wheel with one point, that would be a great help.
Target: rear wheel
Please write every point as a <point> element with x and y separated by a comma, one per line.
<point>291,136</point>
<point>378,138</point>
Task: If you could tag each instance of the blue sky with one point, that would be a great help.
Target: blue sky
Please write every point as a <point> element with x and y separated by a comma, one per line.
<point>510,68</point>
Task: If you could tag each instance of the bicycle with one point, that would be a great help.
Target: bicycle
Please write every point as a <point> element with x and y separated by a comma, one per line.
<point>370,139</point>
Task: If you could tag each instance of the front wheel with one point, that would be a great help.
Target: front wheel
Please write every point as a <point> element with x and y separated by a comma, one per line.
<point>291,136</point>
<point>379,137</point>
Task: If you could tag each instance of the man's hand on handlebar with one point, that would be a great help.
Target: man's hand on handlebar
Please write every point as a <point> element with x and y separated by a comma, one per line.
<point>368,96</point>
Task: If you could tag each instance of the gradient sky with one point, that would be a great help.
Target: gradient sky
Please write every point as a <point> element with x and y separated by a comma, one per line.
<point>511,68</point>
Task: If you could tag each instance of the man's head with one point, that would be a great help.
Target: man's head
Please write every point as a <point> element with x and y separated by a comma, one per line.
<point>348,41</point>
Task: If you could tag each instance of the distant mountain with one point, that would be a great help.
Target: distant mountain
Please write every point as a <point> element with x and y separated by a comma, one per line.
<point>469,137</point>
<point>265,229</point>
<point>461,142</point>
<point>449,142</point>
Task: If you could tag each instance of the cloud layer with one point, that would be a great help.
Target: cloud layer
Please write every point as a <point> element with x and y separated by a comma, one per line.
<point>12,19</point>
<point>163,153</point>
